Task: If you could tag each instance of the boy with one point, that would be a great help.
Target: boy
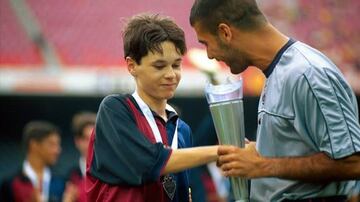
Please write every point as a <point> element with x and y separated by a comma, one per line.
<point>133,153</point>
<point>35,181</point>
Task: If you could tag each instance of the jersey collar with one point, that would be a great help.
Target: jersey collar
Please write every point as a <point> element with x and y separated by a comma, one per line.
<point>273,64</point>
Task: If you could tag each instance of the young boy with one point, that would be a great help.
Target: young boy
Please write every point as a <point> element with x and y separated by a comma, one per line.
<point>83,124</point>
<point>35,181</point>
<point>137,151</point>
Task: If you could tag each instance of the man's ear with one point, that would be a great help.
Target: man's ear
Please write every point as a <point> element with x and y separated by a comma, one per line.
<point>131,64</point>
<point>33,145</point>
<point>225,33</point>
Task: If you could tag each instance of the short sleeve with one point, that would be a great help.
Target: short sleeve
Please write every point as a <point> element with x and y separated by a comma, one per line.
<point>326,112</point>
<point>122,154</point>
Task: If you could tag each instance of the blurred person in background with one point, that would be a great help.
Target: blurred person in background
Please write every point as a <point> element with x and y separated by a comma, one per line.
<point>308,136</point>
<point>83,124</point>
<point>139,150</point>
<point>35,181</point>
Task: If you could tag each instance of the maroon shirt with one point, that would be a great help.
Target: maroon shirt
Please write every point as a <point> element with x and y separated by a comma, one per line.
<point>124,161</point>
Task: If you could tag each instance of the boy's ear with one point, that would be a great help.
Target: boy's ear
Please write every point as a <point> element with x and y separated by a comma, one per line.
<point>224,32</point>
<point>131,64</point>
<point>33,145</point>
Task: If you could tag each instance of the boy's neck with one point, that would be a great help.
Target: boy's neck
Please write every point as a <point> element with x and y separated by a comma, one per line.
<point>154,104</point>
<point>36,164</point>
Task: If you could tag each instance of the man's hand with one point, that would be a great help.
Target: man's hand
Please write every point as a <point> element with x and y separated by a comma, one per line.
<point>315,168</point>
<point>240,162</point>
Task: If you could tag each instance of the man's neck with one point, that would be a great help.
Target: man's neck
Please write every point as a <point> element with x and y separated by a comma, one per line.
<point>154,104</point>
<point>264,45</point>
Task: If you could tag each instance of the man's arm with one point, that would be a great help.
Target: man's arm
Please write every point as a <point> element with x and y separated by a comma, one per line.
<point>318,167</point>
<point>182,159</point>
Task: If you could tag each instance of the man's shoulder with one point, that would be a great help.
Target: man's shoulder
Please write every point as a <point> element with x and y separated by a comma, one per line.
<point>300,61</point>
<point>310,58</point>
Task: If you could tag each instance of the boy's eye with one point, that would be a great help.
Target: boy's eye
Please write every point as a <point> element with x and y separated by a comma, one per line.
<point>176,66</point>
<point>159,66</point>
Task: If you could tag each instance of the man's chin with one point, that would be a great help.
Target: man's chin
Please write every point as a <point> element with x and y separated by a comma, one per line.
<point>237,70</point>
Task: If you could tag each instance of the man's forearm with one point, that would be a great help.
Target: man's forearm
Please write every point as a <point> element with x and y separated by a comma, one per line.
<point>182,159</point>
<point>315,168</point>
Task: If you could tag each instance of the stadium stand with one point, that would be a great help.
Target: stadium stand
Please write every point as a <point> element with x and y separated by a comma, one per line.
<point>16,49</point>
<point>87,33</point>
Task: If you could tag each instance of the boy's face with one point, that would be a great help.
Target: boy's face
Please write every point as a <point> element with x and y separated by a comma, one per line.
<point>82,143</point>
<point>158,75</point>
<point>48,149</point>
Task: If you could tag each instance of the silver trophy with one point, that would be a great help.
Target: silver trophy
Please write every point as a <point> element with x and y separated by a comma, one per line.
<point>226,107</point>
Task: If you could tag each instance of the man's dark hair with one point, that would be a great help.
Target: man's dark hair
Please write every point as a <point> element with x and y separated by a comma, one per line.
<point>144,33</point>
<point>80,121</point>
<point>38,131</point>
<point>243,14</point>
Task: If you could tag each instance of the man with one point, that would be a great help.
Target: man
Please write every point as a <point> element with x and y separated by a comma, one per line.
<point>35,181</point>
<point>82,124</point>
<point>139,149</point>
<point>308,137</point>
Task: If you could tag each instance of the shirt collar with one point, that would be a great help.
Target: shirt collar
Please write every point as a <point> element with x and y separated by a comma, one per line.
<point>170,111</point>
<point>275,61</point>
<point>172,116</point>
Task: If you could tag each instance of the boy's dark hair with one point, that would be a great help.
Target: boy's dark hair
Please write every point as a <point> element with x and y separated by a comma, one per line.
<point>145,32</point>
<point>38,131</point>
<point>243,14</point>
<point>80,121</point>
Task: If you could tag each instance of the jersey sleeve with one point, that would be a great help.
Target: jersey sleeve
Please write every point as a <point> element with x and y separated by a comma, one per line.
<point>122,154</point>
<point>326,113</point>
